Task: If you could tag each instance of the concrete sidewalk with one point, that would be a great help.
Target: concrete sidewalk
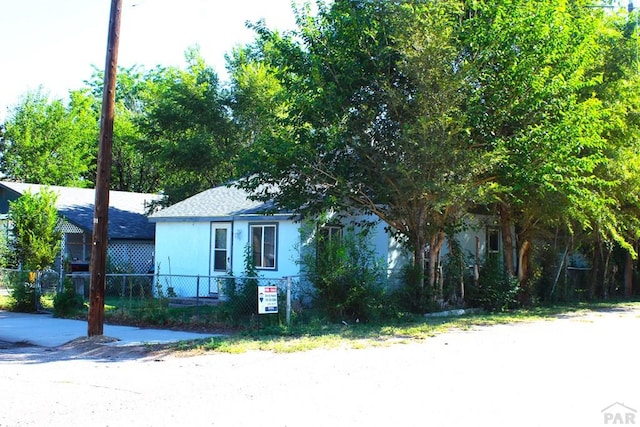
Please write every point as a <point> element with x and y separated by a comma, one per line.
<point>46,331</point>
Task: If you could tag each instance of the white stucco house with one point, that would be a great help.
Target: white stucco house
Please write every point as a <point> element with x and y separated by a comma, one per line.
<point>207,235</point>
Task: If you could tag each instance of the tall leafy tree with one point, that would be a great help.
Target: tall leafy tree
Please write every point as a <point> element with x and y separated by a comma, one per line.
<point>619,90</point>
<point>131,170</point>
<point>258,102</point>
<point>532,105</point>
<point>36,236</point>
<point>189,135</point>
<point>48,142</point>
<point>368,101</point>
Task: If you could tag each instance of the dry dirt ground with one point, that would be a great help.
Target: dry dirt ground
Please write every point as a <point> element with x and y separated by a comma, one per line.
<point>576,370</point>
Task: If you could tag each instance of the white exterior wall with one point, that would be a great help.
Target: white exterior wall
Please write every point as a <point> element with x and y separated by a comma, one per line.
<point>380,241</point>
<point>387,249</point>
<point>390,251</point>
<point>287,245</point>
<point>183,248</point>
<point>397,257</point>
<point>476,227</point>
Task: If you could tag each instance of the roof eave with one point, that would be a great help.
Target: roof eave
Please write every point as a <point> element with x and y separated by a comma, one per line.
<point>226,218</point>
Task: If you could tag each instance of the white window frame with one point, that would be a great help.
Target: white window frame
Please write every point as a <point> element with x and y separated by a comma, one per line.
<point>332,232</point>
<point>493,232</point>
<point>263,263</point>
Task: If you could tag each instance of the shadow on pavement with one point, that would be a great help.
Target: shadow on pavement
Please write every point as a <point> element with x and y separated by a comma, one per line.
<point>87,349</point>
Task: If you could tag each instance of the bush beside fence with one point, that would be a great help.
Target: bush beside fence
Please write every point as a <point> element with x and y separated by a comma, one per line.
<point>25,288</point>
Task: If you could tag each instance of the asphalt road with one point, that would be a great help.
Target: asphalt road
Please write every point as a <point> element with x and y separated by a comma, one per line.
<point>572,371</point>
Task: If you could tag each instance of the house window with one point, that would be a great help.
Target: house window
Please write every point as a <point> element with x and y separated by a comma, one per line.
<point>220,249</point>
<point>263,245</point>
<point>331,233</point>
<point>493,240</point>
<point>328,240</point>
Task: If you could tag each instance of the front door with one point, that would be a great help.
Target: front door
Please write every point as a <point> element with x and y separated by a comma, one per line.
<point>220,254</point>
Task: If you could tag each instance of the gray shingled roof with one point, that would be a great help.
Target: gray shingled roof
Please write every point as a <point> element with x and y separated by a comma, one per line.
<point>219,203</point>
<point>127,211</point>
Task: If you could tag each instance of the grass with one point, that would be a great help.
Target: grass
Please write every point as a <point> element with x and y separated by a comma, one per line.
<point>325,336</point>
<point>271,335</point>
<point>5,302</point>
<point>46,302</point>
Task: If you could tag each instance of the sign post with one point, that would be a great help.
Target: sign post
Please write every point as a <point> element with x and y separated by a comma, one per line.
<point>267,299</point>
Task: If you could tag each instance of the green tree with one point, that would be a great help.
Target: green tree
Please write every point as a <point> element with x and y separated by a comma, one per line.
<point>48,142</point>
<point>36,236</point>
<point>367,117</point>
<point>131,169</point>
<point>533,105</point>
<point>619,90</point>
<point>258,101</point>
<point>188,132</point>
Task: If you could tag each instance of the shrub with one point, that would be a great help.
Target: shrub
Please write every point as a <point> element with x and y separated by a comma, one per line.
<point>413,296</point>
<point>124,283</point>
<point>496,291</point>
<point>35,243</point>
<point>23,296</point>
<point>36,236</point>
<point>242,293</point>
<point>346,276</point>
<point>455,272</point>
<point>67,302</point>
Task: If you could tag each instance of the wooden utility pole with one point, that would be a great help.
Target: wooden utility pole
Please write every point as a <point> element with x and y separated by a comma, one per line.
<point>103,179</point>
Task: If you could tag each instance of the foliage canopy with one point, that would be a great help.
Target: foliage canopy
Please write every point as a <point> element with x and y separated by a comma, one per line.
<point>34,227</point>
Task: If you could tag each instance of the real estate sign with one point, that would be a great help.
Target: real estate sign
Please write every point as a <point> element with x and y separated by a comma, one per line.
<point>267,299</point>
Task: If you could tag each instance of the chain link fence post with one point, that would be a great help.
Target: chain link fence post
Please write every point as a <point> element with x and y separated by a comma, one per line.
<point>197,314</point>
<point>288,308</point>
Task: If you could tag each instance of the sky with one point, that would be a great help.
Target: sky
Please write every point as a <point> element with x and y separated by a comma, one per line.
<point>55,43</point>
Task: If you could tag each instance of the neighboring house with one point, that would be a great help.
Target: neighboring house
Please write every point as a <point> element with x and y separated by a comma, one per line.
<point>208,235</point>
<point>131,236</point>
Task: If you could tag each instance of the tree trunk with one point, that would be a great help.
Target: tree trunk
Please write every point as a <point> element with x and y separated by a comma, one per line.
<point>435,246</point>
<point>456,256</point>
<point>418,250</point>
<point>562,266</point>
<point>607,278</point>
<point>437,240</point>
<point>507,239</point>
<point>476,267</point>
<point>418,259</point>
<point>523,271</point>
<point>628,275</point>
<point>595,270</point>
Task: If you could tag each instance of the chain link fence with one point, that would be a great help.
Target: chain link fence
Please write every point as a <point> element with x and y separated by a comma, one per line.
<point>26,287</point>
<point>167,299</point>
<point>230,300</point>
<point>9,277</point>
